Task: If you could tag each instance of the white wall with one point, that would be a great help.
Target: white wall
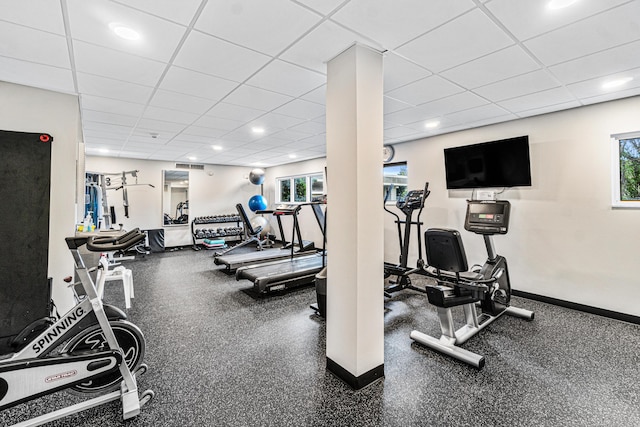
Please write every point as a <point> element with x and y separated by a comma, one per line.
<point>215,190</point>
<point>565,241</point>
<point>26,109</point>
<point>308,224</point>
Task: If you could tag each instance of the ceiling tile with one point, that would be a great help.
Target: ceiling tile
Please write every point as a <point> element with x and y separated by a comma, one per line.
<point>234,112</point>
<point>222,59</point>
<point>425,90</point>
<point>267,27</point>
<point>106,128</point>
<point>549,109</point>
<point>500,65</point>
<point>166,8</point>
<point>611,96</point>
<point>323,44</point>
<point>301,109</point>
<point>599,64</point>
<point>483,113</point>
<point>592,88</point>
<point>98,103</point>
<point>290,135</point>
<point>526,19</point>
<point>109,118</point>
<point>218,123</point>
<point>537,100</point>
<point>322,6</point>
<point>399,72</point>
<point>249,96</point>
<point>458,102</point>
<point>518,86</point>
<point>18,42</point>
<point>196,84</point>
<point>288,79</point>
<point>465,38</point>
<point>276,121</point>
<point>109,88</point>
<point>90,20</point>
<point>318,95</point>
<point>392,105</point>
<point>44,15</point>
<point>36,75</point>
<point>200,133</point>
<point>394,23</point>
<point>180,101</point>
<point>309,127</point>
<point>105,62</point>
<point>399,132</point>
<point>170,115</point>
<point>158,126</point>
<point>604,31</point>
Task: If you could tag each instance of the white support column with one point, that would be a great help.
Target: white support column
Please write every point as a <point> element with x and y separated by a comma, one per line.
<point>355,316</point>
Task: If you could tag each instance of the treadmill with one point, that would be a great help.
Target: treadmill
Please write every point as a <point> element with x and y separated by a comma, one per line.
<point>287,273</point>
<point>237,260</point>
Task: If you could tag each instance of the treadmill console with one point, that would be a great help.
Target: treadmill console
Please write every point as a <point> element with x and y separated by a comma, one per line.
<point>487,216</point>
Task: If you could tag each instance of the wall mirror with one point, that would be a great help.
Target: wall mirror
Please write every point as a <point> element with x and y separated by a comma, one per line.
<point>175,197</point>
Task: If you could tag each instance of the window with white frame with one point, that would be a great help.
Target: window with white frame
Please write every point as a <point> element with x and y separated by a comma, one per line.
<point>395,178</point>
<point>300,188</point>
<point>625,167</point>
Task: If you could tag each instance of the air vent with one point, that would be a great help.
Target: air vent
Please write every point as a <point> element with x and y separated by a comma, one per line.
<point>193,166</point>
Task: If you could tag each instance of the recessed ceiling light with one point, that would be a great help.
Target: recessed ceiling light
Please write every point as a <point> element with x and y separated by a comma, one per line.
<point>292,156</point>
<point>103,150</point>
<point>217,147</point>
<point>616,83</point>
<point>431,125</point>
<point>124,32</point>
<point>560,4</point>
<point>257,129</point>
<point>193,158</point>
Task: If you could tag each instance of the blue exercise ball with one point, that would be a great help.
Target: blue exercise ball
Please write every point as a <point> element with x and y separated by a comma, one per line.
<point>257,203</point>
<point>256,176</point>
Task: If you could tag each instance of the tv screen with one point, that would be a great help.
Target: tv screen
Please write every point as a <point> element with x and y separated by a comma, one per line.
<point>503,163</point>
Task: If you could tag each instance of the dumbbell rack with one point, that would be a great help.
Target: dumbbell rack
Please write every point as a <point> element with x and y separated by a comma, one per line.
<point>200,230</point>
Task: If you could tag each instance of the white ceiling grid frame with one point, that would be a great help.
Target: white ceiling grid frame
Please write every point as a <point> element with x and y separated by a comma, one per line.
<point>467,37</point>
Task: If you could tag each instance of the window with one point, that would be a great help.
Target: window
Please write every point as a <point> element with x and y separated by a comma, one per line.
<point>625,162</point>
<point>395,178</point>
<point>306,188</point>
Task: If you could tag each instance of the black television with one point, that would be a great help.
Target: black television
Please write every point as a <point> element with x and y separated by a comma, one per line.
<point>502,163</point>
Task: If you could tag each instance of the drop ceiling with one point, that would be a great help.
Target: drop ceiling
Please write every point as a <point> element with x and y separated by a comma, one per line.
<point>204,74</point>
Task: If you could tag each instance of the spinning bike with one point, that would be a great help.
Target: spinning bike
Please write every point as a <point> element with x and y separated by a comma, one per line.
<point>90,350</point>
<point>483,293</point>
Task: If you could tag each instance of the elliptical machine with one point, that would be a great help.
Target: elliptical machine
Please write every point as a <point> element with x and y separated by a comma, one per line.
<point>90,350</point>
<point>412,202</point>
<point>487,287</point>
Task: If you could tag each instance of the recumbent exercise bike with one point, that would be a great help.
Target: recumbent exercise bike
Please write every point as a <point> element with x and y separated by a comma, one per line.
<point>487,287</point>
<point>90,350</point>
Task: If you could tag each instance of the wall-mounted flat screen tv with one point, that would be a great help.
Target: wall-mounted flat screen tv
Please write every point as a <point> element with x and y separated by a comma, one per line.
<point>503,163</point>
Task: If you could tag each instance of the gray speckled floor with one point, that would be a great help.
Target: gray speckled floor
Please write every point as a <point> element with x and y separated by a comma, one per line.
<point>219,357</point>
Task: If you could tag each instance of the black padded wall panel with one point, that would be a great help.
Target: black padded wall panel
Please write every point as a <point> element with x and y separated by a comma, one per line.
<point>25,182</point>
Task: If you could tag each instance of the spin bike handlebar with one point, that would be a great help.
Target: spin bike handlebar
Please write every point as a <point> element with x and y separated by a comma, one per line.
<point>107,243</point>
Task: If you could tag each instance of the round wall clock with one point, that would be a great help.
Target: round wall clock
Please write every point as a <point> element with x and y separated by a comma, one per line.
<point>387,153</point>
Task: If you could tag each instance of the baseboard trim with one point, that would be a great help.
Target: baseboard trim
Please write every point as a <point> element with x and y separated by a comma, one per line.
<point>354,382</point>
<point>580,307</point>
